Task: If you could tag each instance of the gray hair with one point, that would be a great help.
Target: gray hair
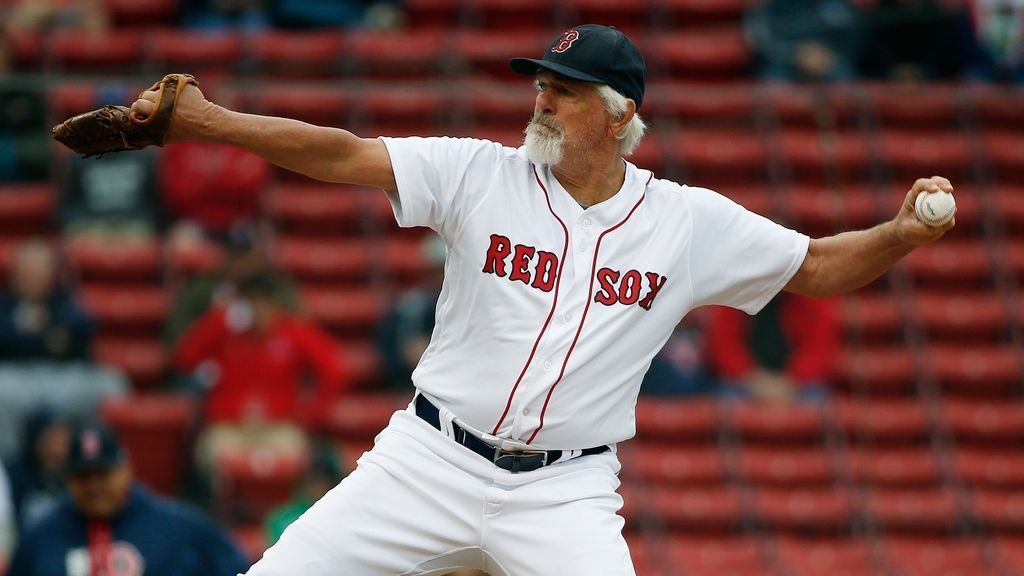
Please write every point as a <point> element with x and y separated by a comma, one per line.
<point>616,105</point>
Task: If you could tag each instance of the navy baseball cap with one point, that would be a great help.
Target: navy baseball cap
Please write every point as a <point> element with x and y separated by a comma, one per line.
<point>94,448</point>
<point>593,53</point>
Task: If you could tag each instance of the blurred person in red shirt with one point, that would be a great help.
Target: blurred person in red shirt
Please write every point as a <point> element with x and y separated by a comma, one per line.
<point>786,352</point>
<point>254,357</point>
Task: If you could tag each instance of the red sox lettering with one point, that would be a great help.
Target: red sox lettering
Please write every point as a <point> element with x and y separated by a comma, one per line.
<point>517,261</point>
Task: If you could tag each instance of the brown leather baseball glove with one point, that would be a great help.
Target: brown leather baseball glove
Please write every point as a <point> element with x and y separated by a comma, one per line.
<point>117,128</point>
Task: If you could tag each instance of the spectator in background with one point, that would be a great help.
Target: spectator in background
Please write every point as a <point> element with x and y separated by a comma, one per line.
<point>47,15</point>
<point>678,368</point>
<point>323,474</point>
<point>253,355</point>
<point>325,13</point>
<point>110,525</point>
<point>786,352</point>
<point>7,528</point>
<point>247,253</point>
<point>45,341</point>
<point>404,332</point>
<point>805,40</point>
<point>111,199</point>
<point>1000,33</point>
<point>219,14</point>
<point>24,140</point>
<point>917,40</point>
<point>37,476</point>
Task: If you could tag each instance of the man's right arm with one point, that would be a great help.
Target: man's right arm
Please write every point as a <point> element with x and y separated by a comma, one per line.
<point>327,154</point>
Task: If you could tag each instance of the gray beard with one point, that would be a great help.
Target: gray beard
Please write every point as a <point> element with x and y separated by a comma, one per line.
<point>541,146</point>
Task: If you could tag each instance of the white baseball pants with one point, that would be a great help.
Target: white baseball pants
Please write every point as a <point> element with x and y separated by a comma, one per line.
<point>421,504</point>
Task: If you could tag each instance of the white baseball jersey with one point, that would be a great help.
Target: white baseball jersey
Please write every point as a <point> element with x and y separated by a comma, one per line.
<point>550,313</point>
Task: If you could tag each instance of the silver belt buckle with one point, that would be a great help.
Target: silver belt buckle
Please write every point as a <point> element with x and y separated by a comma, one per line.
<point>500,455</point>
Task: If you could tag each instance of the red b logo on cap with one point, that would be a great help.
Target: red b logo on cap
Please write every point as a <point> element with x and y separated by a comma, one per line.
<point>568,38</point>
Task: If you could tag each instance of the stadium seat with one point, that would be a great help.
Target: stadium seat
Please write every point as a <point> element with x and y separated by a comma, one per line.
<point>251,538</point>
<point>952,264</point>
<point>688,14</point>
<point>803,510</point>
<point>998,106</point>
<point>976,369</point>
<point>306,54</point>
<point>248,484</point>
<point>717,157</point>
<point>704,556</point>
<point>997,468</point>
<point>673,465</point>
<point>824,557</point>
<point>815,207</point>
<point>883,370</point>
<point>632,16</point>
<point>70,98</point>
<point>924,106</point>
<point>789,467</point>
<point>498,105</point>
<point>873,316</point>
<point>432,14</point>
<point>500,14</point>
<point>128,13</point>
<point>693,103</point>
<point>419,53</point>
<point>883,466</point>
<point>650,155</point>
<point>316,104</point>
<point>155,430</point>
<point>999,510</point>
<point>911,153</point>
<point>935,557</point>
<point>26,208</point>
<point>1009,553</point>
<point>362,415</point>
<point>718,54</point>
<point>484,54</point>
<point>815,156</point>
<point>353,311</point>
<point>881,422</point>
<point>190,258</point>
<point>205,51</point>
<point>402,259</point>
<point>914,511</point>
<point>754,197</point>
<point>974,316</point>
<point>691,509</point>
<point>126,309</point>
<point>122,262</point>
<point>112,51</point>
<point>1009,205</point>
<point>325,260</point>
<point>676,420</point>
<point>26,48</point>
<point>984,422</point>
<point>144,362</point>
<point>406,109</point>
<point>822,108</point>
<point>768,424</point>
<point>1004,149</point>
<point>308,209</point>
<point>362,361</point>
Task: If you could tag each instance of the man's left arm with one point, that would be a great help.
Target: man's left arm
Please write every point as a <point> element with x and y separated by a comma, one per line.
<point>844,262</point>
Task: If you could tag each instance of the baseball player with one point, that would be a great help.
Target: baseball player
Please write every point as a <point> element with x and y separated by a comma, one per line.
<point>567,269</point>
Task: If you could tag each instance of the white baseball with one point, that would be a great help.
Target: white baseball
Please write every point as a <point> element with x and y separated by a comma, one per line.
<point>936,208</point>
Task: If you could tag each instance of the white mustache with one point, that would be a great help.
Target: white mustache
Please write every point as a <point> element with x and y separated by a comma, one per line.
<point>538,122</point>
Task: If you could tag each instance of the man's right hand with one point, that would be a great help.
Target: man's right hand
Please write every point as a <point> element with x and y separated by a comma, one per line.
<point>191,112</point>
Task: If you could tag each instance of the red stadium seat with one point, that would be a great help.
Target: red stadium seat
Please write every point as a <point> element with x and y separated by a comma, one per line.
<point>700,104</point>
<point>325,260</point>
<point>812,156</point>
<point>823,108</point>
<point>114,50</point>
<point>144,362</point>
<point>676,420</point>
<point>768,424</point>
<point>899,467</point>
<point>901,510</point>
<point>186,259</point>
<point>203,51</point>
<point>431,14</point>
<point>999,510</point>
<point>931,556</point>
<point>316,104</point>
<point>961,316</point>
<point>824,509</point>
<point>411,109</point>
<point>498,105</point>
<point>873,315</point>
<point>673,465</point>
<point>127,309</point>
<point>1009,553</point>
<point>774,466</point>
<point>129,263</point>
<point>925,106</point>
<point>1005,149</point>
<point>977,370</point>
<point>126,13</point>
<point>998,106</point>
<point>688,508</point>
<point>815,207</point>
<point>315,209</point>
<point>985,422</point>
<point>825,557</point>
<point>26,48</point>
<point>754,197</point>
<point>883,422</point>
<point>913,153</point>
<point>403,259</point>
<point>345,310</point>
<point>362,362</point>
<point>417,53</point>
<point>694,13</point>
<point>306,54</point>
<point>26,208</point>
<point>361,416</point>
<point>72,98</point>
<point>887,370</point>
<point>249,484</point>
<point>628,15</point>
<point>999,468</point>
<point>717,157</point>
<point>650,155</point>
<point>485,53</point>
<point>155,430</point>
<point>1009,205</point>
<point>706,54</point>
<point>703,556</point>
<point>951,264</point>
<point>501,14</point>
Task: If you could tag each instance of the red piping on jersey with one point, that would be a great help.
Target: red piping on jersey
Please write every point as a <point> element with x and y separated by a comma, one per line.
<point>554,302</point>
<point>579,329</point>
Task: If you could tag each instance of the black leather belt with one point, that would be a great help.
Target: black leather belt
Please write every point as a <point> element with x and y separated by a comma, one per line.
<point>513,461</point>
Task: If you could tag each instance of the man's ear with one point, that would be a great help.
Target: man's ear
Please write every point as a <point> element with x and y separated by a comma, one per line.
<point>619,124</point>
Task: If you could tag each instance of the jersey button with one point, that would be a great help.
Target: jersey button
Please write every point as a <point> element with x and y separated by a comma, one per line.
<point>526,411</point>
<point>586,222</point>
<point>547,364</point>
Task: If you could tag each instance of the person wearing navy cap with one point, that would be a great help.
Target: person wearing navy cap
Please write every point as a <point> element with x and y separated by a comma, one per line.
<point>110,525</point>
<point>567,268</point>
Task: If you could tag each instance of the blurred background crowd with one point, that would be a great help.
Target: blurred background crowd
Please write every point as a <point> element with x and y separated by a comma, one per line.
<point>193,322</point>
